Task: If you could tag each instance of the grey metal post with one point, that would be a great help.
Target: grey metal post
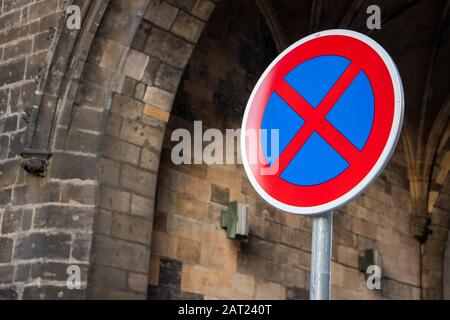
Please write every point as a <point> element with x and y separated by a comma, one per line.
<point>322,235</point>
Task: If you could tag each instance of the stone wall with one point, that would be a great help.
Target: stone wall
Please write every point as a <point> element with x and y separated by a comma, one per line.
<point>87,101</point>
<point>98,101</point>
<point>27,30</point>
<point>191,256</point>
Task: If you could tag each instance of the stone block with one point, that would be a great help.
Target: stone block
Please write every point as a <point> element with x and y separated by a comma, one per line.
<point>135,64</point>
<point>127,107</point>
<point>142,207</point>
<point>188,27</point>
<point>270,291</point>
<point>141,134</point>
<point>121,254</point>
<point>159,98</point>
<point>138,180</point>
<point>149,160</point>
<point>190,207</point>
<point>220,195</point>
<point>6,248</point>
<point>109,277</point>
<point>113,199</point>
<point>120,150</point>
<point>12,72</point>
<point>41,245</point>
<point>131,228</point>
<point>188,250</point>
<point>161,14</point>
<point>71,218</point>
<point>137,282</point>
<point>168,48</point>
<point>203,9</point>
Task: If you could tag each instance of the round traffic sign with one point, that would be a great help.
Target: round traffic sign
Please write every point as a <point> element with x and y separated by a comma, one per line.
<point>325,118</point>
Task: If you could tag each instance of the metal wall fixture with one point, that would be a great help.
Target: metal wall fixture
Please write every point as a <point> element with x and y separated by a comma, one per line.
<point>369,257</point>
<point>235,221</point>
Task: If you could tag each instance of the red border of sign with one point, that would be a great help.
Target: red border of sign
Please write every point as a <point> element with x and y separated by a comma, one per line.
<point>366,58</point>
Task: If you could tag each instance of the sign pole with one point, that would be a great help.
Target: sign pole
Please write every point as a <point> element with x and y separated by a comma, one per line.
<point>322,235</point>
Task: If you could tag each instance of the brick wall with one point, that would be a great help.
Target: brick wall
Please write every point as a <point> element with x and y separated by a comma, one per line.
<point>191,256</point>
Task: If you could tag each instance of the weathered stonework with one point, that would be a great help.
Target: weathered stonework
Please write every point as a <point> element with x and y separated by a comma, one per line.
<point>90,113</point>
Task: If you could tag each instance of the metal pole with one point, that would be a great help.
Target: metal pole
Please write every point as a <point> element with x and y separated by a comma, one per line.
<point>322,235</point>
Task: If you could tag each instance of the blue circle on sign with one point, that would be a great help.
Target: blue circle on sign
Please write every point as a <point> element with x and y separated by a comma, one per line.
<point>352,115</point>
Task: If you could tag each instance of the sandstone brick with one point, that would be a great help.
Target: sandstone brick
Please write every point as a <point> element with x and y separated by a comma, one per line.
<point>161,14</point>
<point>11,221</point>
<point>121,254</point>
<point>135,64</point>
<point>137,282</point>
<point>113,199</point>
<point>40,245</point>
<point>185,5</point>
<point>131,228</point>
<point>6,274</point>
<point>68,166</point>
<point>127,107</point>
<point>142,207</point>
<point>164,244</point>
<point>187,27</point>
<point>43,8</point>
<point>203,9</point>
<point>269,291</point>
<point>109,172</point>
<point>220,195</point>
<point>190,207</point>
<point>159,98</point>
<point>103,222</point>
<point>364,228</point>
<point>111,277</point>
<point>120,150</point>
<point>141,134</point>
<point>243,286</point>
<point>14,4</point>
<point>198,279</point>
<point>21,48</point>
<point>80,194</point>
<point>168,78</point>
<point>72,218</point>
<point>12,72</point>
<point>348,256</point>
<point>138,180</point>
<point>149,160</point>
<point>168,48</point>
<point>153,275</point>
<point>184,227</point>
<point>6,248</point>
<point>188,250</point>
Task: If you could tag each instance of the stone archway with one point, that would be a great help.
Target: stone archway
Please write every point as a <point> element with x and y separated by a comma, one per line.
<point>143,67</point>
<point>86,114</point>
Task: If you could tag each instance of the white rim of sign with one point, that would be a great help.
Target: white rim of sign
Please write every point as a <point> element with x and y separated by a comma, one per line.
<point>382,160</point>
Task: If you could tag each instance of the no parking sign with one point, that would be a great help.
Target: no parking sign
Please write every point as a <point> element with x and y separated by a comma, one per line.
<point>336,99</point>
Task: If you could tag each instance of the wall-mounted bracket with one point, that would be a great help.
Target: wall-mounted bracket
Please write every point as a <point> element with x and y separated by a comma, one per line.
<point>35,161</point>
<point>235,221</point>
<point>369,257</point>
